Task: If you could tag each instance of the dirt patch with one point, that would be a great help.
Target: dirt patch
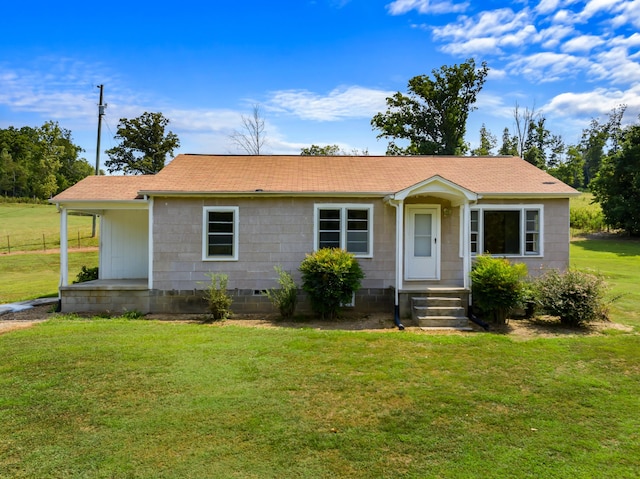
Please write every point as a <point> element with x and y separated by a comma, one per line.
<point>544,327</point>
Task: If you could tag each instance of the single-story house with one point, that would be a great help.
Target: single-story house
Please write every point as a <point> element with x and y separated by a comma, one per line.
<point>415,224</point>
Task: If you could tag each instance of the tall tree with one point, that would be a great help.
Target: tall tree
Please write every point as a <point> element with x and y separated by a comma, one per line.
<point>488,142</point>
<point>595,139</point>
<point>617,184</point>
<point>524,121</point>
<point>509,144</point>
<point>252,139</point>
<point>432,117</point>
<point>144,145</point>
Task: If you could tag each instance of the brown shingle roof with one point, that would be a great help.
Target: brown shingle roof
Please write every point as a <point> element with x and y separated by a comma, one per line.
<point>105,188</point>
<point>193,174</point>
<point>351,174</point>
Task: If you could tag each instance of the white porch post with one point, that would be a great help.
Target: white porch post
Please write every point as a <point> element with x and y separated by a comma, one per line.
<point>466,243</point>
<point>64,248</point>
<point>150,273</point>
<point>399,205</point>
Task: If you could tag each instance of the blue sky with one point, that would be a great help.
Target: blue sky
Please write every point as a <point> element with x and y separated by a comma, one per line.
<point>318,69</point>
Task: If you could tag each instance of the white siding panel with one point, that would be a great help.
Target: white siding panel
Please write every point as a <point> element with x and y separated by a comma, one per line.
<point>125,244</point>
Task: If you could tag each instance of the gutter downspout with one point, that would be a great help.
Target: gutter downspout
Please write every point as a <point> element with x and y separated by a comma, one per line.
<point>396,308</point>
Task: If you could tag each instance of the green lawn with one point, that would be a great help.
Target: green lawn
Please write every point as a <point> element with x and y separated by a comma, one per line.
<point>31,227</point>
<point>146,399</point>
<point>116,398</point>
<point>33,275</point>
<point>618,260</point>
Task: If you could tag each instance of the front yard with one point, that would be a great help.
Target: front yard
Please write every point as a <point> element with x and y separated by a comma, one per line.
<point>115,398</point>
<point>118,398</point>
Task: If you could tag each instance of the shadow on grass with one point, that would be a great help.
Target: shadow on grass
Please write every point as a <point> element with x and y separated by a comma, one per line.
<point>609,243</point>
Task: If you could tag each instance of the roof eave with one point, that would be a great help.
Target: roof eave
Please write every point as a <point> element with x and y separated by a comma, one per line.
<point>257,193</point>
<point>494,195</point>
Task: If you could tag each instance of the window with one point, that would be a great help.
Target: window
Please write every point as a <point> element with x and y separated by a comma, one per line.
<point>220,239</point>
<point>345,226</point>
<point>506,230</point>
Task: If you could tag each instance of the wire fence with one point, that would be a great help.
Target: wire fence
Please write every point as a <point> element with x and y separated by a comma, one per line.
<point>44,242</point>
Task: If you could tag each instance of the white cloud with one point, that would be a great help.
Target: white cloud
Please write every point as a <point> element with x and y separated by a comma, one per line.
<point>595,7</point>
<point>595,103</point>
<point>487,32</point>
<point>547,6</point>
<point>553,36</point>
<point>582,43</point>
<point>548,66</point>
<point>339,104</point>
<point>400,7</point>
<point>628,13</point>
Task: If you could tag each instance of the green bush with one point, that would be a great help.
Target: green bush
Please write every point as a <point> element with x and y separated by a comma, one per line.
<point>576,297</point>
<point>218,300</point>
<point>496,286</point>
<point>86,274</point>
<point>330,276</point>
<point>587,219</point>
<point>284,298</point>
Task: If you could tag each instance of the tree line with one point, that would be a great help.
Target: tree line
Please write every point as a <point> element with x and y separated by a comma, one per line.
<point>39,162</point>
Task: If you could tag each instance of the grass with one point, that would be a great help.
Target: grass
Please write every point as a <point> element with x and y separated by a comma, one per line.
<point>618,260</point>
<point>29,276</point>
<point>22,227</point>
<point>114,398</point>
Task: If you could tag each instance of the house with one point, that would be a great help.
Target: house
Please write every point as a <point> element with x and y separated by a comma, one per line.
<point>415,224</point>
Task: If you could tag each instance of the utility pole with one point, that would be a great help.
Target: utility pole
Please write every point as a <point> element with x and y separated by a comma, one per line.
<point>101,108</point>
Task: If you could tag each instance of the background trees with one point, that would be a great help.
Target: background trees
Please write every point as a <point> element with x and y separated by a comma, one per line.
<point>617,184</point>
<point>331,150</point>
<point>144,145</point>
<point>39,162</point>
<point>433,116</point>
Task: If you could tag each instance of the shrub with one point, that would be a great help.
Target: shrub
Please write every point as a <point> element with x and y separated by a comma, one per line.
<point>87,274</point>
<point>497,286</point>
<point>330,276</point>
<point>587,219</point>
<point>576,297</point>
<point>284,298</point>
<point>218,300</point>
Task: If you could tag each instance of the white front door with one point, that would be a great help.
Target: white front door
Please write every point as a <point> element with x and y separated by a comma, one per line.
<point>422,242</point>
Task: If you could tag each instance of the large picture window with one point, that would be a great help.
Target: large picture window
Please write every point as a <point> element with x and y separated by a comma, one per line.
<point>345,226</point>
<point>220,239</point>
<point>506,231</point>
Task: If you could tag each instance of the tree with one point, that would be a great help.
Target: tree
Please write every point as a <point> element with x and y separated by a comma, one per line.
<point>595,140</point>
<point>143,147</point>
<point>39,162</point>
<point>524,121</point>
<point>433,116</point>
<point>253,137</point>
<point>571,169</point>
<point>331,150</point>
<point>509,144</point>
<point>617,184</point>
<point>488,142</point>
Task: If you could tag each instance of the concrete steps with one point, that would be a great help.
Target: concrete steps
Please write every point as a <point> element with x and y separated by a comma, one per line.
<point>439,312</point>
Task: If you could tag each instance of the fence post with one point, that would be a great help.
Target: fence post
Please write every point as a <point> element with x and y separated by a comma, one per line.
<point>44,245</point>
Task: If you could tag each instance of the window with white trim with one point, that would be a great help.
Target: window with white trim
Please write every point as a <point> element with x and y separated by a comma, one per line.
<point>506,230</point>
<point>349,227</point>
<point>220,237</point>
